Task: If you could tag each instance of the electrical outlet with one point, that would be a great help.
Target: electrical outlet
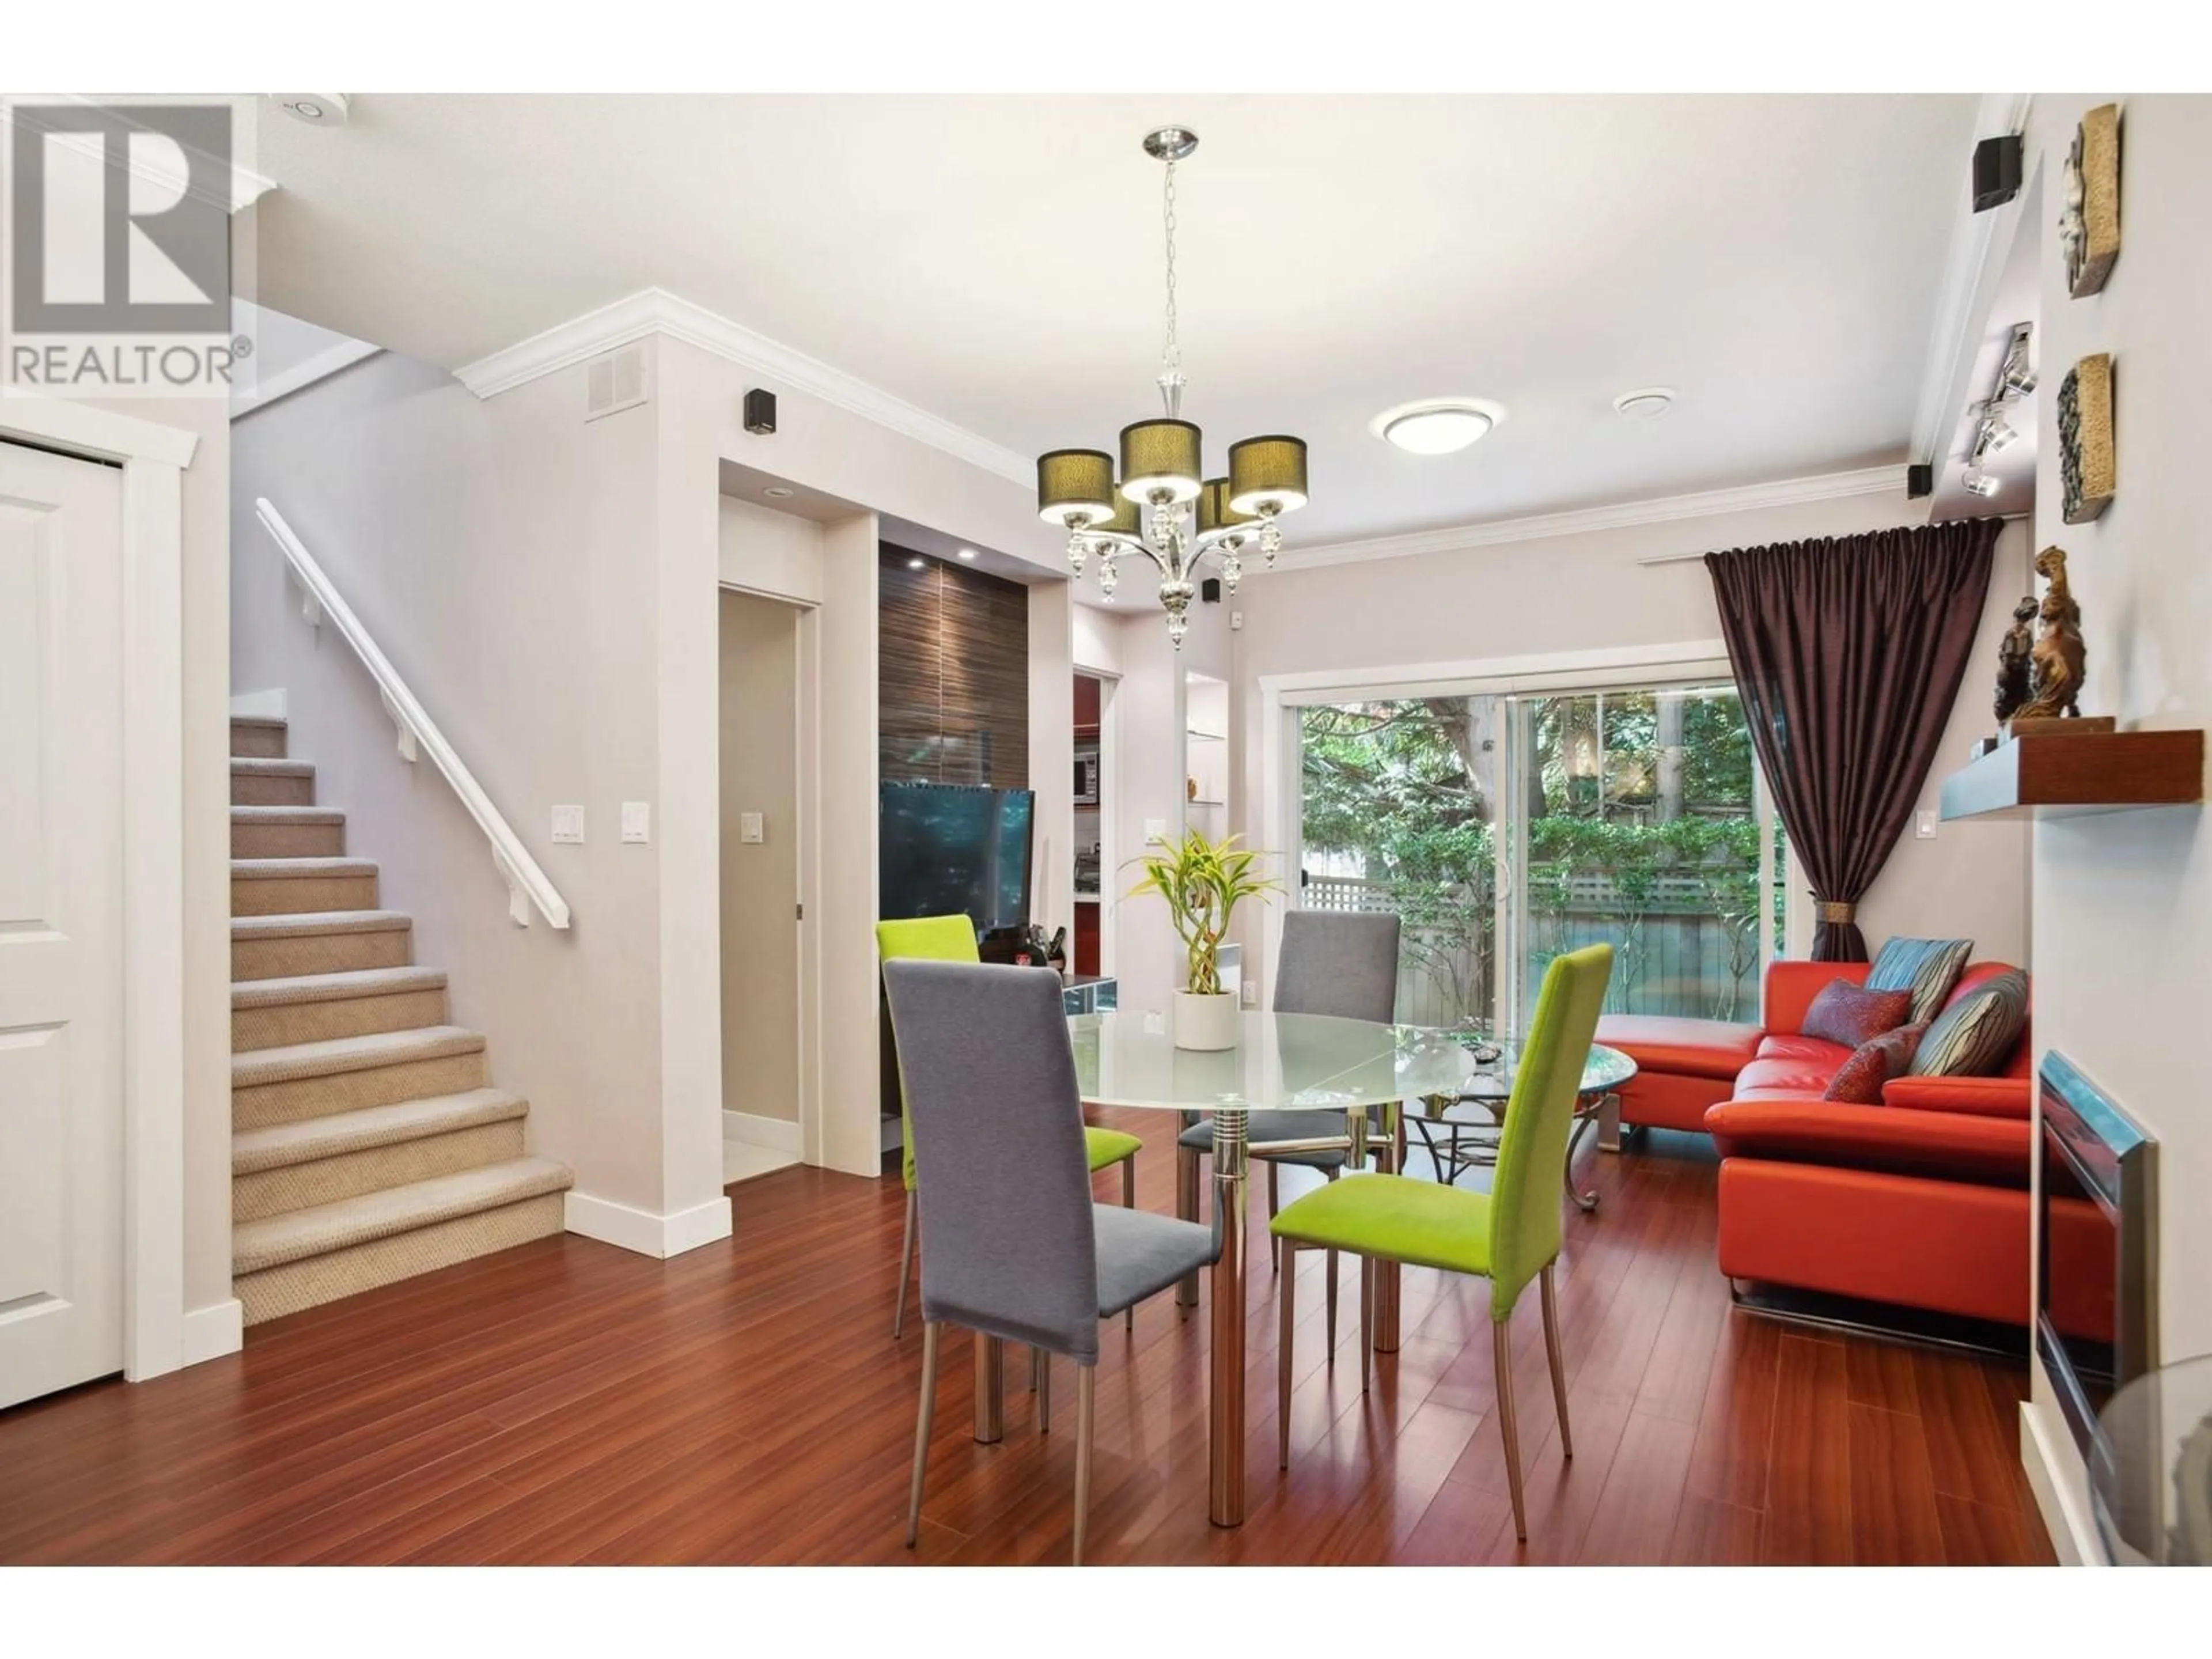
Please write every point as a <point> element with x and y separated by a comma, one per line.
<point>569,826</point>
<point>1251,994</point>
<point>636,821</point>
<point>1156,831</point>
<point>1924,826</point>
<point>1156,1023</point>
<point>749,828</point>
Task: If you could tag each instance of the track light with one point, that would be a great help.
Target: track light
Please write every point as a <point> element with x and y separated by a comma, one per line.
<point>1980,483</point>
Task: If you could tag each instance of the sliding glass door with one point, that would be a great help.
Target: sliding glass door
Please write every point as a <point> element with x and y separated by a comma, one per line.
<point>1506,827</point>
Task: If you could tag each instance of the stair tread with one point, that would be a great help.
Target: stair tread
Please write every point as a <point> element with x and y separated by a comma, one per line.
<point>323,1228</point>
<point>309,924</point>
<point>317,868</point>
<point>334,1055</point>
<point>268,766</point>
<point>334,986</point>
<point>281,1146</point>
<point>286,815</point>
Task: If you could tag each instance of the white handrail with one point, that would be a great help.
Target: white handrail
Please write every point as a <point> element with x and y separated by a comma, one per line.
<point>526,883</point>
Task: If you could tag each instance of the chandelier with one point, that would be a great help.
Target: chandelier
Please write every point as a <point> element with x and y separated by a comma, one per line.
<point>1164,506</point>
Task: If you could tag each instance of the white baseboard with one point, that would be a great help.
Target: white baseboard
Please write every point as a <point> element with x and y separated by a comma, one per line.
<point>213,1331</point>
<point>630,1229</point>
<point>257,705</point>
<point>777,1134</point>
<point>2073,1535</point>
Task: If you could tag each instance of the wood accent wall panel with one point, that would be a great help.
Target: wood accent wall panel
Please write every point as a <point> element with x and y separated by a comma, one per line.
<point>953,686</point>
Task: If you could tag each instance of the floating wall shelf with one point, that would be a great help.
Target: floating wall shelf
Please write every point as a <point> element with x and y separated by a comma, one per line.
<point>2055,775</point>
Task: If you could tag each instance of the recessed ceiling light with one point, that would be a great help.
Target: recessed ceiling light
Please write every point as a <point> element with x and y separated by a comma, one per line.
<point>777,492</point>
<point>1437,426</point>
<point>968,553</point>
<point>917,564</point>
<point>1646,403</point>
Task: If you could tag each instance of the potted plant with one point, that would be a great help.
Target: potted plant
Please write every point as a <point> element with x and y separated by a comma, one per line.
<point>1202,881</point>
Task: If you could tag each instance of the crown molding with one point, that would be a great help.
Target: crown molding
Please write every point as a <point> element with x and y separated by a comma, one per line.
<point>246,186</point>
<point>1971,266</point>
<point>1742,498</point>
<point>654,311</point>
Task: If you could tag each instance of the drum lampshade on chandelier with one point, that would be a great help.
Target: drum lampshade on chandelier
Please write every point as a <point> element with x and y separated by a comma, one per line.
<point>1164,505</point>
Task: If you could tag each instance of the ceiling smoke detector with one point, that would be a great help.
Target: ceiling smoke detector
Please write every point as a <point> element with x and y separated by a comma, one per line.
<point>1646,403</point>
<point>316,109</point>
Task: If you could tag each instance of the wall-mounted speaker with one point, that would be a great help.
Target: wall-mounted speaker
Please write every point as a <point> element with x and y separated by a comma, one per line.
<point>1920,481</point>
<point>760,412</point>
<point>1210,590</point>
<point>1997,172</point>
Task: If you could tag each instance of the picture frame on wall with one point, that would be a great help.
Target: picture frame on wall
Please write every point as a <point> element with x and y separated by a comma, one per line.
<point>2089,227</point>
<point>2087,462</point>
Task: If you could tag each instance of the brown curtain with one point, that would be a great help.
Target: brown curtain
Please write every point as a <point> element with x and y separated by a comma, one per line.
<point>1847,652</point>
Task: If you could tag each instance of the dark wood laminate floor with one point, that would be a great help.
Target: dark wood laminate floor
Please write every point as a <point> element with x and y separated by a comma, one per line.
<point>567,1402</point>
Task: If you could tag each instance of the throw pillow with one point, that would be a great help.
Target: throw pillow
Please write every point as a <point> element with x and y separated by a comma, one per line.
<point>1928,968</point>
<point>1976,1034</point>
<point>1872,1064</point>
<point>1850,1014</point>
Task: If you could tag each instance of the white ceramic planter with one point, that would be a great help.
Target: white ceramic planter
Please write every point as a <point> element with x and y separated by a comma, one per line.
<point>1207,1023</point>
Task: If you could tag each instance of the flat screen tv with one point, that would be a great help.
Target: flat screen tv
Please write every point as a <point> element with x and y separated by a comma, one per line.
<point>955,849</point>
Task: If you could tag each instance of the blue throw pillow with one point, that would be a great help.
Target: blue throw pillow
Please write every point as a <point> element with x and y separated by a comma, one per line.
<point>1928,968</point>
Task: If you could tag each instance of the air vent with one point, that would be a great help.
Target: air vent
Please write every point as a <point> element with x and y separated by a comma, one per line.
<point>614,382</point>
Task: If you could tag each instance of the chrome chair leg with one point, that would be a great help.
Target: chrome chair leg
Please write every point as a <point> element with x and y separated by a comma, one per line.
<point>922,1419</point>
<point>1286,1295</point>
<point>1086,1402</point>
<point>1501,1359</point>
<point>1036,1365</point>
<point>1041,1371</point>
<point>1553,1356</point>
<point>1274,1252</point>
<point>906,1268</point>
<point>1366,1320</point>
<point>1186,1184</point>
<point>1129,1202</point>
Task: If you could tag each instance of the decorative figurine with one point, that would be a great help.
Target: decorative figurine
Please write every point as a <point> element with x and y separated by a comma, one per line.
<point>2013,652</point>
<point>2058,658</point>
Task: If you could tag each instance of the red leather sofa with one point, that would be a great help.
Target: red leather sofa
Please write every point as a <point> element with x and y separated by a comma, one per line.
<point>1921,1201</point>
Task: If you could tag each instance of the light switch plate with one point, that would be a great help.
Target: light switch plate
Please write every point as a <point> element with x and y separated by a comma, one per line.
<point>1155,830</point>
<point>1156,1023</point>
<point>1251,994</point>
<point>1924,825</point>
<point>569,826</point>
<point>749,828</point>
<point>636,821</point>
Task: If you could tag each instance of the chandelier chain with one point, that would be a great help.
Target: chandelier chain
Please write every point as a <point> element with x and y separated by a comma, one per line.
<point>1171,358</point>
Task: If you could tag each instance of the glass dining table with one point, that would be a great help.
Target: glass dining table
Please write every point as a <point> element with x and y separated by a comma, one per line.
<point>1333,1069</point>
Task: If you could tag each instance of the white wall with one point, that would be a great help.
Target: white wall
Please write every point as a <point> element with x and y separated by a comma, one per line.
<point>500,554</point>
<point>2124,901</point>
<point>1587,591</point>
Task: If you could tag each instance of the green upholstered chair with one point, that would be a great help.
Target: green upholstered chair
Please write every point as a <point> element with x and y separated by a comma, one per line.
<point>1508,1235</point>
<point>952,939</point>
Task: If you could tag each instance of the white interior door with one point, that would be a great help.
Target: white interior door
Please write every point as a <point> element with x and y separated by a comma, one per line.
<point>61,879</point>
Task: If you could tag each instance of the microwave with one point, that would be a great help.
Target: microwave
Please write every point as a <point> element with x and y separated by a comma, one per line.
<point>1086,780</point>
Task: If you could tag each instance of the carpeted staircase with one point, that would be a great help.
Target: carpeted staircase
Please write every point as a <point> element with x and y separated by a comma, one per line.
<point>367,1144</point>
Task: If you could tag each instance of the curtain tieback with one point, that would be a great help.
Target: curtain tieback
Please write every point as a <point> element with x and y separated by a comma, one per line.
<point>1835,910</point>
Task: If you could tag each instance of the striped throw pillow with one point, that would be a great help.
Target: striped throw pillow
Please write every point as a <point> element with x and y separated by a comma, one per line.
<point>1928,968</point>
<point>1976,1034</point>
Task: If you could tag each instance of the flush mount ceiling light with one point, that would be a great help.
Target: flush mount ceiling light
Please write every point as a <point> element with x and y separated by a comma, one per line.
<point>1163,505</point>
<point>1437,426</point>
<point>917,564</point>
<point>777,492</point>
<point>1646,403</point>
<point>968,553</point>
<point>316,109</point>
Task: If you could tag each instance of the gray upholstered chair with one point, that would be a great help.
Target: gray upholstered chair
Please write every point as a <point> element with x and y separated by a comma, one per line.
<point>1017,1250</point>
<point>1332,962</point>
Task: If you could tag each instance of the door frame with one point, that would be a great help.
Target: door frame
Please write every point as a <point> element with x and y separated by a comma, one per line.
<point>806,669</point>
<point>153,459</point>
